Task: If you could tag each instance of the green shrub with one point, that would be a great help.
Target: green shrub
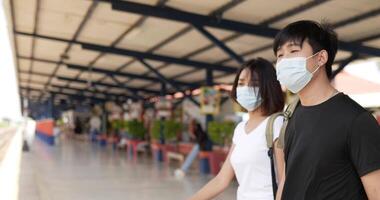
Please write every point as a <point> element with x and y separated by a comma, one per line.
<point>135,128</point>
<point>221,132</point>
<point>170,129</point>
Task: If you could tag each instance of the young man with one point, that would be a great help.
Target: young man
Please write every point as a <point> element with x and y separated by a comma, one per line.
<point>332,144</point>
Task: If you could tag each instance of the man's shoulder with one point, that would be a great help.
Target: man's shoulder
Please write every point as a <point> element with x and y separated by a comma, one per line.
<point>349,107</point>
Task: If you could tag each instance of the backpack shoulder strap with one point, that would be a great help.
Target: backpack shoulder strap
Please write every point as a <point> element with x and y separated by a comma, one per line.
<point>269,138</point>
<point>287,115</point>
<point>269,129</point>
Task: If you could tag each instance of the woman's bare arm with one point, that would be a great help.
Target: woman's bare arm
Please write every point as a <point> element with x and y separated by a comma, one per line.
<point>219,183</point>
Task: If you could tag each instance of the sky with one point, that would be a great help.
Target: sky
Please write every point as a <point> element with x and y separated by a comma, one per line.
<point>9,98</point>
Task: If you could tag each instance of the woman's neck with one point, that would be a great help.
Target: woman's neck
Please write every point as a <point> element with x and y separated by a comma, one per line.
<point>256,115</point>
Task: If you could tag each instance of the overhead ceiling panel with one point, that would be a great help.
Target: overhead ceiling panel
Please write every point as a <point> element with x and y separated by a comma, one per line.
<point>106,25</point>
<point>61,19</point>
<point>255,11</point>
<point>80,56</point>
<point>49,49</point>
<point>24,45</point>
<point>112,61</point>
<point>91,76</point>
<point>189,42</point>
<point>23,76</point>
<point>136,83</point>
<point>220,33</point>
<point>64,71</point>
<point>108,80</point>
<point>56,81</point>
<point>248,42</point>
<point>117,91</point>
<point>333,11</point>
<point>360,29</point>
<point>173,70</point>
<point>194,77</point>
<point>374,43</point>
<point>70,91</point>
<point>135,68</point>
<point>150,33</point>
<point>78,85</point>
<point>213,55</point>
<point>36,86</point>
<point>148,2</point>
<point>43,67</point>
<point>227,79</point>
<point>121,78</point>
<point>203,7</point>
<point>232,63</point>
<point>37,78</point>
<point>25,11</point>
<point>24,64</point>
<point>342,55</point>
<point>267,54</point>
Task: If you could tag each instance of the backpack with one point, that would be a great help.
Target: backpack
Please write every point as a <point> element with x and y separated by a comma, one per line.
<point>287,114</point>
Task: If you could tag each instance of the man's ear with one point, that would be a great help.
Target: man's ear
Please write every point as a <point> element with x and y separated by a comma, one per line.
<point>323,57</point>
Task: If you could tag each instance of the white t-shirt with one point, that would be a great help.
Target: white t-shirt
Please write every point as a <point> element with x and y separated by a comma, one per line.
<point>251,163</point>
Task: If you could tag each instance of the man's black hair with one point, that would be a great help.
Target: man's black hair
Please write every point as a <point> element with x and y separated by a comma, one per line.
<point>319,36</point>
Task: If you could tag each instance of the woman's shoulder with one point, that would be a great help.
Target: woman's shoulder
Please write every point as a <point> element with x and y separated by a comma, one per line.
<point>238,130</point>
<point>240,126</point>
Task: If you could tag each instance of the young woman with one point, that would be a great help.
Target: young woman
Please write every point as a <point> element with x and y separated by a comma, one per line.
<point>257,90</point>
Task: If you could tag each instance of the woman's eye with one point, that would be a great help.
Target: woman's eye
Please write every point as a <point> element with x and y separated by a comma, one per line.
<point>294,51</point>
<point>279,56</point>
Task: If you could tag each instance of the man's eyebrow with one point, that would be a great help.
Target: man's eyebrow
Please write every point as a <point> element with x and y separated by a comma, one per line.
<point>290,44</point>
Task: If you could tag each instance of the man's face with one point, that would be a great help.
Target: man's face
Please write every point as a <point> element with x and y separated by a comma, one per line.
<point>292,49</point>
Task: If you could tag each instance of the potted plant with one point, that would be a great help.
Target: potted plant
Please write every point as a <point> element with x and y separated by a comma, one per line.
<point>221,132</point>
<point>136,129</point>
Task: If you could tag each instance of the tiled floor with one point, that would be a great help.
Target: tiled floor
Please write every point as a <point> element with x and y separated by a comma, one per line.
<point>74,170</point>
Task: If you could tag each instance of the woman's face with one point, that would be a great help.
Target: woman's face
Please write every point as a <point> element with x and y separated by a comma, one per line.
<point>245,79</point>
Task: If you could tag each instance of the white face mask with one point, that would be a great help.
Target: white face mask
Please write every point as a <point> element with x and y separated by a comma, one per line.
<point>248,97</point>
<point>293,73</point>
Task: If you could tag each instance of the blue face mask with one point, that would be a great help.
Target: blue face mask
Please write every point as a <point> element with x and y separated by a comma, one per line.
<point>293,73</point>
<point>248,97</point>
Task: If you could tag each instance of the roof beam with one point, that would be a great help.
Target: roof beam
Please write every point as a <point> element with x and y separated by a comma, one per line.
<point>191,18</point>
<point>81,26</point>
<point>343,64</point>
<point>162,77</point>
<point>293,11</point>
<point>357,18</point>
<point>201,20</point>
<point>124,74</point>
<point>80,90</point>
<point>36,21</point>
<point>139,55</point>
<point>288,13</point>
<point>220,44</point>
<point>109,85</point>
<point>107,72</point>
<point>64,93</point>
<point>161,58</point>
<point>117,96</point>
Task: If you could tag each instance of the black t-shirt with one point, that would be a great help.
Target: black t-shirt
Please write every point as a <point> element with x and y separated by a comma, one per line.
<point>328,147</point>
